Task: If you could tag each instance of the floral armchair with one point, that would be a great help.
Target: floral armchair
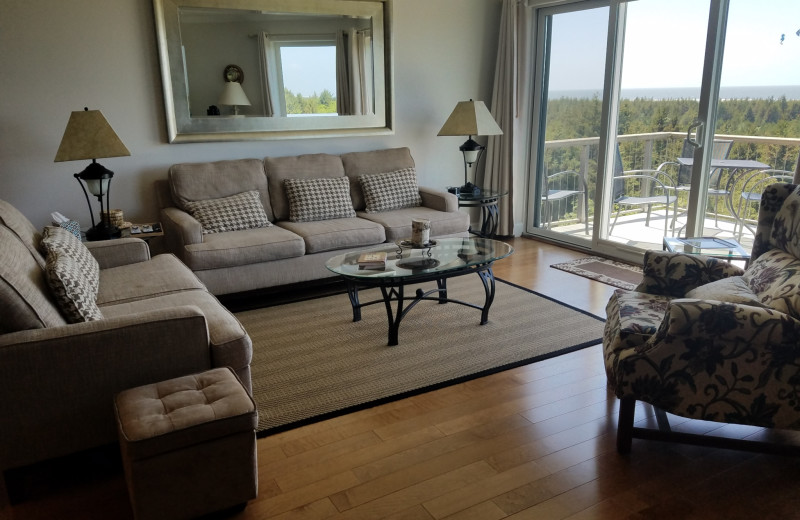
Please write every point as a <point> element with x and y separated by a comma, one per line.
<point>704,339</point>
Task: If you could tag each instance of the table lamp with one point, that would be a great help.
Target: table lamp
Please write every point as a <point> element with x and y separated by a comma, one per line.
<point>233,94</point>
<point>470,118</point>
<point>89,136</point>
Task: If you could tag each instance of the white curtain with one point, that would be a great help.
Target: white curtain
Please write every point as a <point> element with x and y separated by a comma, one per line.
<point>344,100</point>
<point>500,153</point>
<point>365,73</point>
<point>265,52</point>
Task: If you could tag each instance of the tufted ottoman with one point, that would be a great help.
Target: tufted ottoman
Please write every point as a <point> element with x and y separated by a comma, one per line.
<point>188,445</point>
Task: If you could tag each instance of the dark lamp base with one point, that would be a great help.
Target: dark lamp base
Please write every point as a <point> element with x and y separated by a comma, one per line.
<point>102,232</point>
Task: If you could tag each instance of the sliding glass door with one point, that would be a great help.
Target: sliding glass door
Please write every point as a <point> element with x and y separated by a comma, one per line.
<point>571,52</point>
<point>660,141</point>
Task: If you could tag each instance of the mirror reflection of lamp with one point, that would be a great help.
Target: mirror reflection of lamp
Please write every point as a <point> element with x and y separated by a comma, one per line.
<point>233,94</point>
<point>89,136</point>
<point>470,118</point>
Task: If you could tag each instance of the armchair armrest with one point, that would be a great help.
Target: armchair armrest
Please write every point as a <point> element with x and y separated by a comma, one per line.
<point>123,251</point>
<point>675,274</point>
<point>719,361</point>
<point>57,384</point>
<point>438,199</point>
<point>180,230</point>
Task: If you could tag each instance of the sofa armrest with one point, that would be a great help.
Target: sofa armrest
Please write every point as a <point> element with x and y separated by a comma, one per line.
<point>675,274</point>
<point>57,384</point>
<point>438,199</point>
<point>123,251</point>
<point>180,230</point>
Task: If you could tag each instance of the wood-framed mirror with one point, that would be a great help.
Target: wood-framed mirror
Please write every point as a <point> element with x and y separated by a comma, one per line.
<point>313,68</point>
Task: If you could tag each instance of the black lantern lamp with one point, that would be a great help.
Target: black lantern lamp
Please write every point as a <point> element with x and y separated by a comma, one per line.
<point>470,118</point>
<point>89,136</point>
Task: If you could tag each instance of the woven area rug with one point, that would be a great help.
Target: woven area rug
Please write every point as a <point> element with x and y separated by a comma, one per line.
<point>618,274</point>
<point>311,361</point>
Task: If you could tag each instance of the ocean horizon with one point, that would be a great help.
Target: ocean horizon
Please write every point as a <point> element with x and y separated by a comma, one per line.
<point>753,92</point>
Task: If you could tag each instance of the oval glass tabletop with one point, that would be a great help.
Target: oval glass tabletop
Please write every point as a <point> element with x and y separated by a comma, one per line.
<point>447,254</point>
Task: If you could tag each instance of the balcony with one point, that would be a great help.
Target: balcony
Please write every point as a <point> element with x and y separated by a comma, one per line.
<point>726,216</point>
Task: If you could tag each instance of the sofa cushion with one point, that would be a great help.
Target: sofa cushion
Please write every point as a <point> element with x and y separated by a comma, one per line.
<point>163,274</point>
<point>330,235</point>
<point>16,222</point>
<point>732,290</point>
<point>319,199</point>
<point>59,240</point>
<point>249,246</point>
<point>230,344</point>
<point>392,190</point>
<point>240,211</point>
<point>27,302</point>
<point>213,180</point>
<point>75,295</point>
<point>774,276</point>
<point>357,164</point>
<point>397,223</point>
<point>310,166</point>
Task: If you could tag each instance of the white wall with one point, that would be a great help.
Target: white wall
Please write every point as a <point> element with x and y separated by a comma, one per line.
<point>57,57</point>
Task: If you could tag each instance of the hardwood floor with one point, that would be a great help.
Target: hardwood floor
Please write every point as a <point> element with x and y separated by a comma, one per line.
<point>533,442</point>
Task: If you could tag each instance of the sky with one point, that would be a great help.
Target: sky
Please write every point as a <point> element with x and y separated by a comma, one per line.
<point>665,45</point>
<point>307,70</point>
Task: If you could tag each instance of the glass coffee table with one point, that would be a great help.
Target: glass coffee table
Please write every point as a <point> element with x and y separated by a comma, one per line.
<point>723,248</point>
<point>406,264</point>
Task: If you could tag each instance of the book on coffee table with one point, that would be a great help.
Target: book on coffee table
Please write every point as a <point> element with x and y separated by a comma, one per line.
<point>372,260</point>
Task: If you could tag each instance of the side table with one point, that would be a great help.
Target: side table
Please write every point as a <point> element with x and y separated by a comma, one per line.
<point>723,248</point>
<point>486,200</point>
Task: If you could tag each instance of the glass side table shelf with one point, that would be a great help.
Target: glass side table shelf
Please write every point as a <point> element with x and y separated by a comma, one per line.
<point>723,248</point>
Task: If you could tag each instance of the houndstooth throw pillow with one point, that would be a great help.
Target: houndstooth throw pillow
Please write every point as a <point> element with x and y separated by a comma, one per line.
<point>59,240</point>
<point>393,190</point>
<point>241,211</point>
<point>319,199</point>
<point>74,294</point>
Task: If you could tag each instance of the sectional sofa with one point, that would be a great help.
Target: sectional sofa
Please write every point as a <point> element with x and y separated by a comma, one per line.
<point>314,207</point>
<point>87,320</point>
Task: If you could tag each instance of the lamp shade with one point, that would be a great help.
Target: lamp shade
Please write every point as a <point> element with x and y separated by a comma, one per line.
<point>470,118</point>
<point>233,94</point>
<point>89,136</point>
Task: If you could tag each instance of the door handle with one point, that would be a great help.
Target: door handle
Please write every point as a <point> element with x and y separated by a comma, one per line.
<point>699,126</point>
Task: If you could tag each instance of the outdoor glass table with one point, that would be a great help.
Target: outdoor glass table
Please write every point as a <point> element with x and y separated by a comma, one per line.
<point>733,166</point>
<point>442,259</point>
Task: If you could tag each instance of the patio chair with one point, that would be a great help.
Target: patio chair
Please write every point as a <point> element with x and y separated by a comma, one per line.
<point>720,150</point>
<point>647,182</point>
<point>562,186</point>
<point>752,188</point>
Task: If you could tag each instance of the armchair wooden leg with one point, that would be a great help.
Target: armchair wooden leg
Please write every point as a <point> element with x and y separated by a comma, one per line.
<point>661,418</point>
<point>627,409</point>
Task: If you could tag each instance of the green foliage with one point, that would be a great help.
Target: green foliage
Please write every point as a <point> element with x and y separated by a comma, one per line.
<point>324,103</point>
<point>574,118</point>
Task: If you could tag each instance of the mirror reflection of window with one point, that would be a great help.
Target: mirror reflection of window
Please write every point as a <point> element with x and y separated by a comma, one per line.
<point>309,79</point>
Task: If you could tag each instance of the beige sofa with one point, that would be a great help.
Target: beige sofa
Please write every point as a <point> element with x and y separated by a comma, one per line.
<point>289,252</point>
<point>58,379</point>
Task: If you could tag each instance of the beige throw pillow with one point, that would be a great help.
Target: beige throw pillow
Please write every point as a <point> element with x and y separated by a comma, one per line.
<point>322,198</point>
<point>393,190</point>
<point>241,211</point>
<point>73,292</point>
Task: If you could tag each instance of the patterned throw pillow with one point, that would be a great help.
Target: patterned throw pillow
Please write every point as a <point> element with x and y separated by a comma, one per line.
<point>241,211</point>
<point>59,240</point>
<point>394,190</point>
<point>73,293</point>
<point>319,199</point>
